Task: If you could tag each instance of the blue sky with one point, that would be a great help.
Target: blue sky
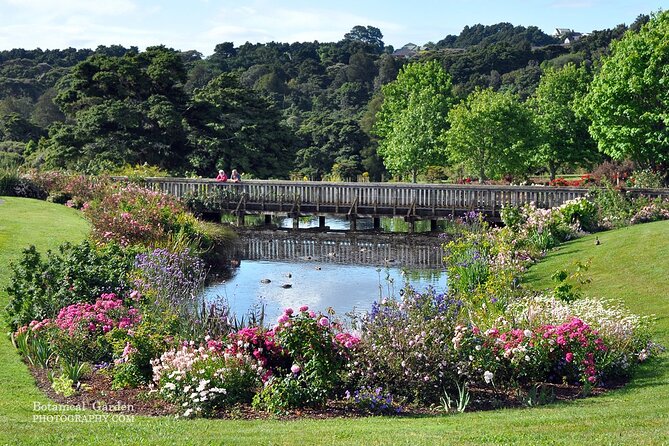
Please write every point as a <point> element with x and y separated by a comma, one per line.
<point>201,24</point>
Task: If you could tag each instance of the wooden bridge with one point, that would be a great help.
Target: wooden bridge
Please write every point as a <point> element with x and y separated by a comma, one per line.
<point>352,200</point>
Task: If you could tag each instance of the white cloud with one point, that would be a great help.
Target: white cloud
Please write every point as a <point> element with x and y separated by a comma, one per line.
<point>256,24</point>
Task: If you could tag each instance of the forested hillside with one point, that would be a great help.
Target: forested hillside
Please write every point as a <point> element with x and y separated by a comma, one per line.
<point>305,109</point>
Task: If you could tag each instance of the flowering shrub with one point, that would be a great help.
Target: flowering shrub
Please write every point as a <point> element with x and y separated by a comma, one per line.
<point>315,357</point>
<point>655,210</point>
<point>78,332</point>
<point>405,346</point>
<point>130,214</point>
<point>41,286</point>
<point>626,335</point>
<point>570,352</point>
<point>202,380</point>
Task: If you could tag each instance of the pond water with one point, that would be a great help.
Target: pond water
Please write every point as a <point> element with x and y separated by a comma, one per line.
<point>344,272</point>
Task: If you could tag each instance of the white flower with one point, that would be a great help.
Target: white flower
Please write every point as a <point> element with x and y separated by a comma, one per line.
<point>528,333</point>
<point>488,376</point>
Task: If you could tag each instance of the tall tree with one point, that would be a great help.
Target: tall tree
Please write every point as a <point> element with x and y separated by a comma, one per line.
<point>369,35</point>
<point>628,100</point>
<point>413,118</point>
<point>233,127</point>
<point>490,134</point>
<point>564,138</point>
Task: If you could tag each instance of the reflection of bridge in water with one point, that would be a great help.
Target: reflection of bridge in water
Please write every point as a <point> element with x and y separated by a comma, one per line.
<point>396,250</point>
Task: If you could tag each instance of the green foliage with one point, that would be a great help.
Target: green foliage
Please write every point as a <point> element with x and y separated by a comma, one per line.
<point>41,286</point>
<point>627,100</point>
<point>564,140</point>
<point>63,385</point>
<point>127,374</point>
<point>35,348</point>
<point>567,284</point>
<point>413,118</point>
<point>491,134</point>
<point>74,369</point>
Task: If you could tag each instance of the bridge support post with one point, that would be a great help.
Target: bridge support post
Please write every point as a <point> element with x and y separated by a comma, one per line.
<point>240,219</point>
<point>433,225</point>
<point>268,219</point>
<point>354,223</point>
<point>296,222</point>
<point>377,222</point>
<point>321,221</point>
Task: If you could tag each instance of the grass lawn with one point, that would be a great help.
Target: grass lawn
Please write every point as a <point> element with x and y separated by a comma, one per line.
<point>628,264</point>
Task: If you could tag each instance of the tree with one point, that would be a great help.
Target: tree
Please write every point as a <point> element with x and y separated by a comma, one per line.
<point>234,127</point>
<point>369,35</point>
<point>564,137</point>
<point>490,134</point>
<point>413,118</point>
<point>628,101</point>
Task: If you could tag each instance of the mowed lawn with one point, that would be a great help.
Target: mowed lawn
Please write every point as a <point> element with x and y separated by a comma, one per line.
<point>631,264</point>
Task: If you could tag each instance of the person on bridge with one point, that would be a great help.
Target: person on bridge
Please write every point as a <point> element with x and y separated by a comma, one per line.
<point>222,177</point>
<point>235,177</point>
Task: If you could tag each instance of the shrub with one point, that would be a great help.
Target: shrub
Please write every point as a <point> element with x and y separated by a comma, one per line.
<point>40,286</point>
<point>202,380</point>
<point>131,215</point>
<point>406,346</point>
<point>315,355</point>
<point>79,332</point>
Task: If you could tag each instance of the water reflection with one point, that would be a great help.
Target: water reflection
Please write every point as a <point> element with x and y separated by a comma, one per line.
<point>344,271</point>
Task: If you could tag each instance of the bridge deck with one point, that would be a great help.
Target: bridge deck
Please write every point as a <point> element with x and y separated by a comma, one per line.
<point>412,201</point>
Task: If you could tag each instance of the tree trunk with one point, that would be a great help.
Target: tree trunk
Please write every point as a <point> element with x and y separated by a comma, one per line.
<point>481,174</point>
<point>552,168</point>
<point>414,175</point>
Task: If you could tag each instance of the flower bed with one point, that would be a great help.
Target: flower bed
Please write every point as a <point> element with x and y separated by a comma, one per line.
<point>483,343</point>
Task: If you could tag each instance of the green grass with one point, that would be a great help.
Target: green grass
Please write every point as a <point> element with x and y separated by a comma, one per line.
<point>637,414</point>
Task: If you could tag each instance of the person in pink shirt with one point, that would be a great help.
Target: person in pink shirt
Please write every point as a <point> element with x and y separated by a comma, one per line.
<point>222,177</point>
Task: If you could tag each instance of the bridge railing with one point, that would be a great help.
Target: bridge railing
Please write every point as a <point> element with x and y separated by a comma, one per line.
<point>375,194</point>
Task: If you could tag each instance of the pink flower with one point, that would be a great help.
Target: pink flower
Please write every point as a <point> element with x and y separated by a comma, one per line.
<point>283,318</point>
<point>304,308</point>
<point>324,322</point>
<point>569,357</point>
<point>295,369</point>
<point>312,314</point>
<point>288,311</point>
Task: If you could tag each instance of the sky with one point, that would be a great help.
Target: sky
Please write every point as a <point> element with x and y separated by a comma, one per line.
<point>201,24</point>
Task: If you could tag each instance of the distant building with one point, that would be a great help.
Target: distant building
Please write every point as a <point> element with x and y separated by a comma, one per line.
<point>407,51</point>
<point>567,35</point>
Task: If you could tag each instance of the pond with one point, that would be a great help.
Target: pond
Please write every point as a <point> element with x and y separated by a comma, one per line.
<point>342,271</point>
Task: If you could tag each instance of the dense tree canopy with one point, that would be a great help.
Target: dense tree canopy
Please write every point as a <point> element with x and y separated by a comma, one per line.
<point>491,134</point>
<point>628,101</point>
<point>413,118</point>
<point>564,140</point>
<point>310,105</point>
